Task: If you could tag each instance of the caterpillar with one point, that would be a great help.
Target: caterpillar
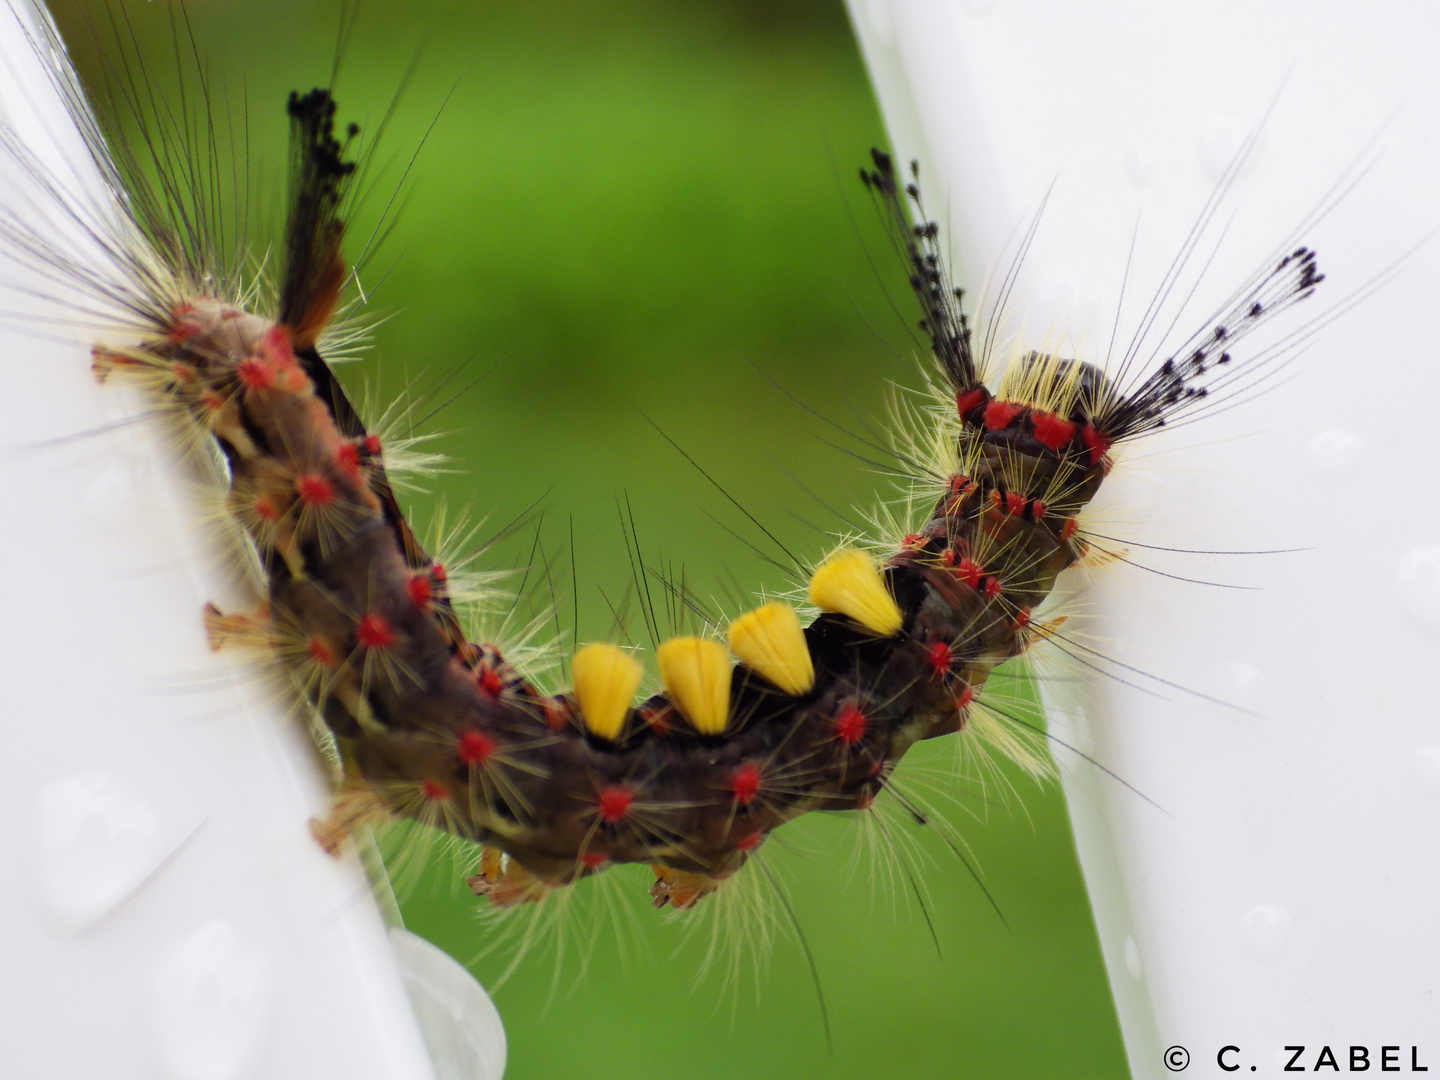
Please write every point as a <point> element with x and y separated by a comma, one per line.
<point>433,727</point>
<point>691,780</point>
<point>562,786</point>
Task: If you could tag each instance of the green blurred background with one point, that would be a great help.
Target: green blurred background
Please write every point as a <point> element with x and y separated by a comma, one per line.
<point>643,208</point>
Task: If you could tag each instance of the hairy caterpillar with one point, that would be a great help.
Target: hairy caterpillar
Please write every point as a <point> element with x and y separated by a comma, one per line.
<point>445,731</point>
<point>1031,513</point>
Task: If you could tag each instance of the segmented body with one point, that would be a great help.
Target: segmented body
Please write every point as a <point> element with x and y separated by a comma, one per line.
<point>436,728</point>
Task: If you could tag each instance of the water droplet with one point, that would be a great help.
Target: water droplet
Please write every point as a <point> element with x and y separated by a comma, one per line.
<point>211,1005</point>
<point>877,12</point>
<point>1264,931</point>
<point>1427,767</point>
<point>1418,583</point>
<point>1334,452</point>
<point>1241,685</point>
<point>1221,138</point>
<point>1138,166</point>
<point>1132,958</point>
<point>461,1027</point>
<point>98,844</point>
<point>114,487</point>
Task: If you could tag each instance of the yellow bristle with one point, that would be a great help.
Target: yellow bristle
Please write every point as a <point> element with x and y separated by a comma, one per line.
<point>849,583</point>
<point>696,673</point>
<point>605,682</point>
<point>770,641</point>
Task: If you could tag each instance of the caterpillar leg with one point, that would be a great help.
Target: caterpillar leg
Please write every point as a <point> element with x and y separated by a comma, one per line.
<point>248,631</point>
<point>355,807</point>
<point>505,881</point>
<point>105,361</point>
<point>680,888</point>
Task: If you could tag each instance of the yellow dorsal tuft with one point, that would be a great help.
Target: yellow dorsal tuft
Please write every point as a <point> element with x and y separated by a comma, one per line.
<point>849,583</point>
<point>605,682</point>
<point>696,673</point>
<point>770,641</point>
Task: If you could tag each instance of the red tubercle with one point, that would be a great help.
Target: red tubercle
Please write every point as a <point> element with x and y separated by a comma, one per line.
<point>970,572</point>
<point>475,748</point>
<point>1096,442</point>
<point>993,587</point>
<point>314,490</point>
<point>613,803</point>
<point>488,679</point>
<point>1069,529</point>
<point>182,331</point>
<point>1037,509</point>
<point>374,632</point>
<point>433,790</point>
<point>371,444</point>
<point>971,400</point>
<point>947,557</point>
<point>941,658</point>
<point>850,724</point>
<point>1051,431</point>
<point>255,374</point>
<point>438,573</point>
<point>275,346</point>
<point>959,485</point>
<point>965,697</point>
<point>593,860</point>
<point>418,588</point>
<point>913,540</point>
<point>748,842</point>
<point>182,373</point>
<point>348,458</point>
<point>1022,618</point>
<point>321,653</point>
<point>211,401</point>
<point>1014,503</point>
<point>745,783</point>
<point>1001,414</point>
<point>182,327</point>
<point>264,509</point>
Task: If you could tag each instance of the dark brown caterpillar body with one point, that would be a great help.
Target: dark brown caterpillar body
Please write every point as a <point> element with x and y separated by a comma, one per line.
<point>433,727</point>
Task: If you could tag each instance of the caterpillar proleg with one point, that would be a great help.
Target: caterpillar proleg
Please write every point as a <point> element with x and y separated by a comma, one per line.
<point>743,722</point>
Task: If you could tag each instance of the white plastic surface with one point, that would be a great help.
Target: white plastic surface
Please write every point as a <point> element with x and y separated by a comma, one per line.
<point>163,909</point>
<point>1285,894</point>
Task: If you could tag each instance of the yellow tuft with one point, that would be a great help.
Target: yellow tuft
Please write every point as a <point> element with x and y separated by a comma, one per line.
<point>769,641</point>
<point>605,682</point>
<point>696,673</point>
<point>849,583</point>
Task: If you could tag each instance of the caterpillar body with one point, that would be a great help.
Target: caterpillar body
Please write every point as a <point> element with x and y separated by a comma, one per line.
<point>437,728</point>
<point>791,717</point>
